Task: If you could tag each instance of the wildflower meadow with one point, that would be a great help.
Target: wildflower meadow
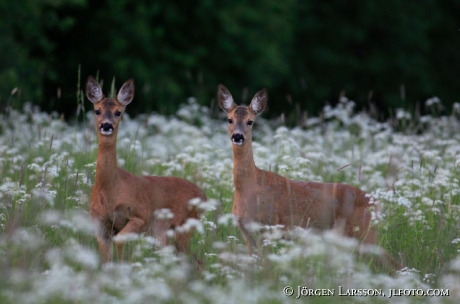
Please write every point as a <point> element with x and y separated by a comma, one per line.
<point>409,164</point>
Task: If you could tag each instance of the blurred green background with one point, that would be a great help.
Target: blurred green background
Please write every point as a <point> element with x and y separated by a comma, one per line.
<point>306,53</point>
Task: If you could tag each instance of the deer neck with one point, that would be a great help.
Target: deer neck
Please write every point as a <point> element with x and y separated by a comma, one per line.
<point>244,168</point>
<point>107,167</point>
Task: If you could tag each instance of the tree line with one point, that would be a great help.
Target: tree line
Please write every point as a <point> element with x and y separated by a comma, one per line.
<point>307,53</point>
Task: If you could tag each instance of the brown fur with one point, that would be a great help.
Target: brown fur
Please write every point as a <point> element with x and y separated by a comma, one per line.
<point>123,203</point>
<point>270,199</point>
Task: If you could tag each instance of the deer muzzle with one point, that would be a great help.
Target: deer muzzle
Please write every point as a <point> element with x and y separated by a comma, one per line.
<point>238,139</point>
<point>106,128</point>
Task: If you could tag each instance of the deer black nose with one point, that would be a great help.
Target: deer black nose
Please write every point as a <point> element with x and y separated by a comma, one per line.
<point>238,139</point>
<point>106,128</point>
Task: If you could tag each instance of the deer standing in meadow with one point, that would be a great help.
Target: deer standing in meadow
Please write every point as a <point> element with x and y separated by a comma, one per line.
<point>270,199</point>
<point>123,203</point>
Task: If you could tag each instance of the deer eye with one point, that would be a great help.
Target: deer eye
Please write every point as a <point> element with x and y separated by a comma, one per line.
<point>117,113</point>
<point>250,122</point>
<point>230,120</point>
<point>98,112</point>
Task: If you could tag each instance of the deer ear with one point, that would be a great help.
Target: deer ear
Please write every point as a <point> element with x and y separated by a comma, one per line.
<point>226,102</point>
<point>126,93</point>
<point>93,90</point>
<point>259,102</point>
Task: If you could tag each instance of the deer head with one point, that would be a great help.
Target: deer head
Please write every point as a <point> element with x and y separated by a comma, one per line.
<point>241,118</point>
<point>108,111</point>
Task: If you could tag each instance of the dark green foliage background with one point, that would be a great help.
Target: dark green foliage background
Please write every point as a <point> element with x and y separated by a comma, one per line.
<point>305,52</point>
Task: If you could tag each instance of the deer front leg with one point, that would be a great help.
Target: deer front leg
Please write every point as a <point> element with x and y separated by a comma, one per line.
<point>248,237</point>
<point>133,226</point>
<point>105,248</point>
<point>104,240</point>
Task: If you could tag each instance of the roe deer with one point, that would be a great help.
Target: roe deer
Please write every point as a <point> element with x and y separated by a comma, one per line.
<point>270,199</point>
<point>123,203</point>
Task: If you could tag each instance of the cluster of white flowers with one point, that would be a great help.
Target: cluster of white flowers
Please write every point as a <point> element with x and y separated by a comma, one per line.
<point>48,247</point>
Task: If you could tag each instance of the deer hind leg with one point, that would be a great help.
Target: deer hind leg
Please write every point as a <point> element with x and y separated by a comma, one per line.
<point>380,260</point>
<point>361,227</point>
<point>182,241</point>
